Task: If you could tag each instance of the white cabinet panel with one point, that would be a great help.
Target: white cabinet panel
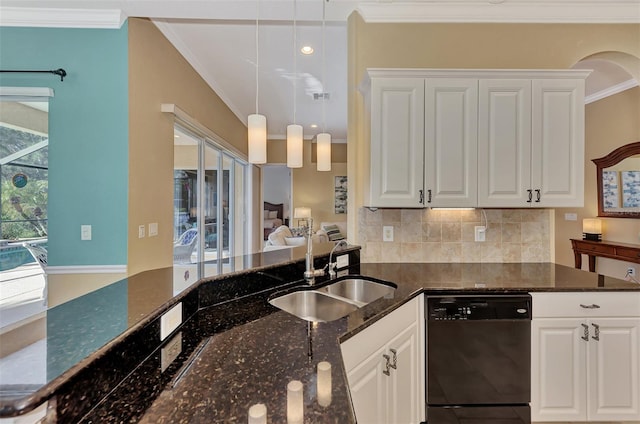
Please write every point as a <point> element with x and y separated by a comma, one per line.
<point>504,143</point>
<point>451,131</point>
<point>613,371</point>
<point>557,154</point>
<point>397,142</point>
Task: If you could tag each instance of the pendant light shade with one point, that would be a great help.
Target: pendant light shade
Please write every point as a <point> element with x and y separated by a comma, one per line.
<point>257,125</point>
<point>323,145</point>
<point>294,146</point>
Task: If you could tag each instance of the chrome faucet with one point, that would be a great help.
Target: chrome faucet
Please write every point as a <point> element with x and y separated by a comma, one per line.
<point>332,265</point>
<point>310,274</point>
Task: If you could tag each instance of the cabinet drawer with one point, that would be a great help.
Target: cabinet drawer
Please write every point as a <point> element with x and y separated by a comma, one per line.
<point>598,248</point>
<point>596,304</point>
<point>357,348</point>
<point>628,253</point>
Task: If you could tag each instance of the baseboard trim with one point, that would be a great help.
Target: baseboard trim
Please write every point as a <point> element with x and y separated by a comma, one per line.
<point>87,269</point>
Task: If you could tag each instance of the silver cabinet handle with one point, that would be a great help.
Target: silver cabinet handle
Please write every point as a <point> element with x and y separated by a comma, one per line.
<point>429,194</point>
<point>529,196</point>
<point>586,332</point>
<point>596,331</point>
<point>394,365</point>
<point>421,193</point>
<point>538,195</point>
<point>387,365</point>
<point>592,306</point>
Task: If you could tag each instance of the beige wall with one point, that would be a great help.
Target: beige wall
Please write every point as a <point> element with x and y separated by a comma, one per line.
<point>313,188</point>
<point>610,123</point>
<point>489,46</point>
<point>159,74</point>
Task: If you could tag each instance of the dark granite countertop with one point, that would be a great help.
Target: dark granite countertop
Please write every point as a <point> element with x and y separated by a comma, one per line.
<point>253,362</point>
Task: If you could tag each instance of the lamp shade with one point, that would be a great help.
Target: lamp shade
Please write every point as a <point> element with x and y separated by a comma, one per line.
<point>257,128</point>
<point>302,212</point>
<point>294,146</point>
<point>592,229</point>
<point>324,151</point>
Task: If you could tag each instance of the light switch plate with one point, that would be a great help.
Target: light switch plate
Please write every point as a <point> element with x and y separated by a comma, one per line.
<point>170,352</point>
<point>570,216</point>
<point>141,231</point>
<point>170,321</point>
<point>85,232</point>
<point>153,229</point>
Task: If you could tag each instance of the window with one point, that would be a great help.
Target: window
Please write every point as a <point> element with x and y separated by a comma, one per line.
<point>209,194</point>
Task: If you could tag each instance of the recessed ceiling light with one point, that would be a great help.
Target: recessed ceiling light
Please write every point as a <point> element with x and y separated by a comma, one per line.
<point>306,50</point>
<point>314,125</point>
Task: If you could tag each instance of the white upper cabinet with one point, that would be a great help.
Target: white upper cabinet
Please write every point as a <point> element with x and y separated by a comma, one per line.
<point>451,131</point>
<point>475,138</point>
<point>397,142</point>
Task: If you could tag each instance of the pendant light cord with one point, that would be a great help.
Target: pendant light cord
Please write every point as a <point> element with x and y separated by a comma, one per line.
<point>257,55</point>
<point>324,70</point>
<point>295,56</point>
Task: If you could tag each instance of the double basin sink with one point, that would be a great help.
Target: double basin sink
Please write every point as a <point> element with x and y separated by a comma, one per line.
<point>334,300</point>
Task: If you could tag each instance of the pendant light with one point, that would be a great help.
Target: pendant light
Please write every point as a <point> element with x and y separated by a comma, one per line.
<point>294,131</point>
<point>323,140</point>
<point>257,124</point>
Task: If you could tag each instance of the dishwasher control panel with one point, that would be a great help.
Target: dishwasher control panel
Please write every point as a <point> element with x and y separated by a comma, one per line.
<point>454,308</point>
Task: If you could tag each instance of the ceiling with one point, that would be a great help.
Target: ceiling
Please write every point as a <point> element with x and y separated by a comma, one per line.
<point>218,38</point>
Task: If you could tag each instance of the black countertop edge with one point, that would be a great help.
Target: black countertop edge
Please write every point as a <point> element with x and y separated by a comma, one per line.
<point>15,407</point>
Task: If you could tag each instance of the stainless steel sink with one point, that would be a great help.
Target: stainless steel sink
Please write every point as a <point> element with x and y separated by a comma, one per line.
<point>334,300</point>
<point>312,305</point>
<point>359,290</point>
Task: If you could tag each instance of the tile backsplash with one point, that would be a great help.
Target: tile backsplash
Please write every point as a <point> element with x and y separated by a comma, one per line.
<point>428,235</point>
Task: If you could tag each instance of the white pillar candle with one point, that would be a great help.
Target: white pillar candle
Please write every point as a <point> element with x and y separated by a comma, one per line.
<point>324,383</point>
<point>258,414</point>
<point>295,403</point>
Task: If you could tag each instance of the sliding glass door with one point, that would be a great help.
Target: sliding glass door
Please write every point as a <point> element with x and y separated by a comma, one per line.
<point>209,204</point>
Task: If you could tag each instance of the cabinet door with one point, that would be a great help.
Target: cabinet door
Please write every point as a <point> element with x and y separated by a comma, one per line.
<point>369,389</point>
<point>614,369</point>
<point>558,361</point>
<point>504,143</point>
<point>451,142</point>
<point>557,145</point>
<point>397,142</point>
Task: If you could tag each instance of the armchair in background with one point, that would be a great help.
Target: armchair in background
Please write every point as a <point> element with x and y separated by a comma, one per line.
<point>184,246</point>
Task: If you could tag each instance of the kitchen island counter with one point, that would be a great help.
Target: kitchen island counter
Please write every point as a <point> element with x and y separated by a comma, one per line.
<point>253,362</point>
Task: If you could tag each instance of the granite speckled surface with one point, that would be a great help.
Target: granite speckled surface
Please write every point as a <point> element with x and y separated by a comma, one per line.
<point>253,362</point>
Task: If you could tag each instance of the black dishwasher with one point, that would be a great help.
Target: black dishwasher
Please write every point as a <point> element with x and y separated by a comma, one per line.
<point>478,359</point>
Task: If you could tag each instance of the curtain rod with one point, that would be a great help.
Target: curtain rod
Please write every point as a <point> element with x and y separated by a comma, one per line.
<point>60,72</point>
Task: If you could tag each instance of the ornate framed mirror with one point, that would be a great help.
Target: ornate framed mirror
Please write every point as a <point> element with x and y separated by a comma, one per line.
<point>618,176</point>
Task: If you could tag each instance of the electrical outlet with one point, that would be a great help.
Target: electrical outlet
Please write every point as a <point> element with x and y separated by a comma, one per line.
<point>631,271</point>
<point>342,261</point>
<point>170,352</point>
<point>141,231</point>
<point>170,321</point>
<point>570,216</point>
<point>387,233</point>
<point>480,233</point>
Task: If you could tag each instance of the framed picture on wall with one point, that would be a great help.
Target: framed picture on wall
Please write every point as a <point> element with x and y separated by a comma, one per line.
<point>610,189</point>
<point>340,187</point>
<point>630,189</point>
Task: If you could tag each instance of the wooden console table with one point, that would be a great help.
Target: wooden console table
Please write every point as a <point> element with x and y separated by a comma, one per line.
<point>605,249</point>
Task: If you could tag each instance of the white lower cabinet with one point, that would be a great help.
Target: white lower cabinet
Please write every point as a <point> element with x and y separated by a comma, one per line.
<point>585,357</point>
<point>385,367</point>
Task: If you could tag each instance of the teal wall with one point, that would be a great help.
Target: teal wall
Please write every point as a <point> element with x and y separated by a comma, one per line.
<point>88,135</point>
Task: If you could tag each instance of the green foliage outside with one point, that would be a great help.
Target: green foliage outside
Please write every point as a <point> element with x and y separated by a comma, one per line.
<point>27,205</point>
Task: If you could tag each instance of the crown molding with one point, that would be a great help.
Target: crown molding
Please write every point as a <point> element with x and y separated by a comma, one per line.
<point>502,11</point>
<point>618,88</point>
<point>61,17</point>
